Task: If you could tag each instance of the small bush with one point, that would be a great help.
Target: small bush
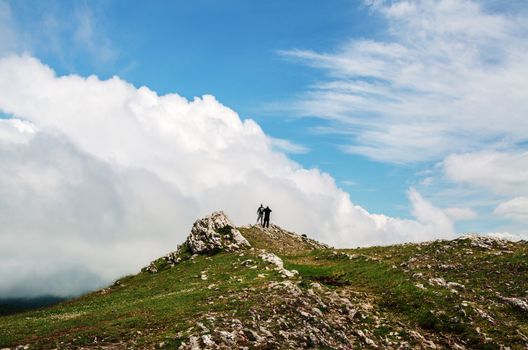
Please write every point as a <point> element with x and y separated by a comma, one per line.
<point>226,231</point>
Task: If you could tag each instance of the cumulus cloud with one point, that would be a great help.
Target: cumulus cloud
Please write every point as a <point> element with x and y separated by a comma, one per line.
<point>99,177</point>
<point>499,172</point>
<point>67,217</point>
<point>495,180</point>
<point>427,213</point>
<point>449,77</point>
<point>516,208</point>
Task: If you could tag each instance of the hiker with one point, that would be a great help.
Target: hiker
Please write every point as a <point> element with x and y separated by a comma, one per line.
<point>267,212</point>
<point>260,213</point>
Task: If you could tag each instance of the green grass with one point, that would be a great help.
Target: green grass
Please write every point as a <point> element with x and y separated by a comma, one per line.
<point>147,309</point>
<point>143,302</point>
<point>376,271</point>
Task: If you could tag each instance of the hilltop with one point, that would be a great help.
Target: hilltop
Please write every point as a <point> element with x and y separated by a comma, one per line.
<point>248,287</point>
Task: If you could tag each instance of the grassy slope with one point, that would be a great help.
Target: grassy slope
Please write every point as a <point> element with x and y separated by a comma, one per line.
<point>385,274</point>
<point>147,310</point>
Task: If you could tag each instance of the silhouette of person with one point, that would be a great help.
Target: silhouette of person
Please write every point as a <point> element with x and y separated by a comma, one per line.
<point>267,212</point>
<point>260,213</point>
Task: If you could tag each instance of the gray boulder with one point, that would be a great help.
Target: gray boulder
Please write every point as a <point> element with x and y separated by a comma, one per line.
<point>215,233</point>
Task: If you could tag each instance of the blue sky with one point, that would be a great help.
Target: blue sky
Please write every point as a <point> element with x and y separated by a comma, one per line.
<point>358,122</point>
<point>232,51</point>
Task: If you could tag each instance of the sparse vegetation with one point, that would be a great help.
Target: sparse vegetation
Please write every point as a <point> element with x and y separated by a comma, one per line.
<point>226,231</point>
<point>444,293</point>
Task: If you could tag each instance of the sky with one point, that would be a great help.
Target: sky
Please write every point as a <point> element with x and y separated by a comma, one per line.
<point>358,122</point>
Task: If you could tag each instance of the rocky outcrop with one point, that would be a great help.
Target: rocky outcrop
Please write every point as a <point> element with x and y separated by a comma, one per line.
<point>485,242</point>
<point>209,235</point>
<point>215,233</point>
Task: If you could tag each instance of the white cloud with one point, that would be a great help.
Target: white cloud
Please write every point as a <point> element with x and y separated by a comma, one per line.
<point>288,146</point>
<point>16,132</point>
<point>502,173</point>
<point>516,208</point>
<point>458,214</point>
<point>507,236</point>
<point>450,77</point>
<point>426,213</point>
<point>99,177</point>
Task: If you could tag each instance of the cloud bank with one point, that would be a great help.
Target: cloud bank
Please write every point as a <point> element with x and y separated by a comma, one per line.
<point>99,177</point>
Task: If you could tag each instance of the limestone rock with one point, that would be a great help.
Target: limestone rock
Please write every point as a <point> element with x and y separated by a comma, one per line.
<point>438,281</point>
<point>517,302</point>
<point>485,242</point>
<point>272,259</point>
<point>215,233</point>
<point>287,273</point>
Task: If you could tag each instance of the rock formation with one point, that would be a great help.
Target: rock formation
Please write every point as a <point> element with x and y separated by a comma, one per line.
<point>215,233</point>
<point>210,235</point>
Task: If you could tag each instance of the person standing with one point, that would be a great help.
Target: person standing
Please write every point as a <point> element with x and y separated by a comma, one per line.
<point>267,212</point>
<point>260,214</point>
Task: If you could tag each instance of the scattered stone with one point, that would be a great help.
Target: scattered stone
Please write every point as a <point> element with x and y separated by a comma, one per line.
<point>517,302</point>
<point>366,339</point>
<point>317,311</point>
<point>202,327</point>
<point>429,344</point>
<point>420,286</point>
<point>485,242</point>
<point>194,343</point>
<point>207,340</point>
<point>266,332</point>
<point>272,259</point>
<point>227,338</point>
<point>437,281</point>
<point>315,285</point>
<point>287,273</point>
<point>253,336</point>
<point>484,315</point>
<point>455,285</point>
<point>247,263</point>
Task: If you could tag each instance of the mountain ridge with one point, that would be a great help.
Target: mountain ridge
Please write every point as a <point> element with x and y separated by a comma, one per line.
<point>284,290</point>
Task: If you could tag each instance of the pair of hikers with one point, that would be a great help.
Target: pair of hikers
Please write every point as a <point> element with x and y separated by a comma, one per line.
<point>263,216</point>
